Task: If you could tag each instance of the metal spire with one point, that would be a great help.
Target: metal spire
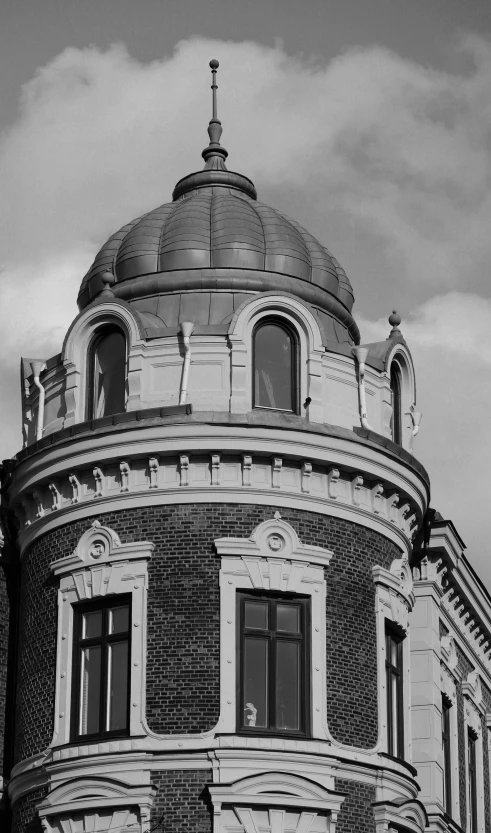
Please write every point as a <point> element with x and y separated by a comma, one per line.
<point>214,155</point>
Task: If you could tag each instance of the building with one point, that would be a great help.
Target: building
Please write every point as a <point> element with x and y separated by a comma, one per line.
<point>227,606</point>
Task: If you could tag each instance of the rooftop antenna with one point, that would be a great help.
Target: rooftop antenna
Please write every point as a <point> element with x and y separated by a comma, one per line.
<point>214,154</point>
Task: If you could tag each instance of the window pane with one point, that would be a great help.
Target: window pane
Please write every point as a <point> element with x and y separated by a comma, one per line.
<point>90,694</point>
<point>274,368</point>
<point>395,387</point>
<point>117,701</point>
<point>109,375</point>
<point>92,624</point>
<point>393,651</point>
<point>118,619</point>
<point>256,615</point>
<point>288,618</point>
<point>255,682</point>
<point>287,685</point>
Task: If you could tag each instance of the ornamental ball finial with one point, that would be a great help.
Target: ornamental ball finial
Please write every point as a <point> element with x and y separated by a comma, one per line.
<point>108,280</point>
<point>395,319</point>
<point>214,63</point>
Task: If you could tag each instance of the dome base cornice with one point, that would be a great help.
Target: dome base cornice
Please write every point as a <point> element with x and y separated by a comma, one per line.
<point>235,280</point>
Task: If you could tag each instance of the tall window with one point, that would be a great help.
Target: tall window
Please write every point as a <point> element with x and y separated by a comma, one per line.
<point>447,772</point>
<point>275,366</point>
<point>471,782</point>
<point>273,677</point>
<point>101,661</point>
<point>107,374</point>
<point>396,396</point>
<point>394,682</point>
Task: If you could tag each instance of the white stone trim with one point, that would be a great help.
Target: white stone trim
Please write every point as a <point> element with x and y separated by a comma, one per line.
<point>124,501</point>
<point>101,566</point>
<point>272,559</point>
<point>409,817</point>
<point>473,711</point>
<point>394,599</point>
<point>449,689</point>
<point>236,806</point>
<point>83,801</point>
<point>310,347</point>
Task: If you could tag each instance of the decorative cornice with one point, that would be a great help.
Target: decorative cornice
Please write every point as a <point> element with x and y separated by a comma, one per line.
<point>100,485</point>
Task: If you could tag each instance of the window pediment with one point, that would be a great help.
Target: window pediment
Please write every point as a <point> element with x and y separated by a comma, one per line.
<point>274,801</point>
<point>90,805</point>
<point>274,539</point>
<point>100,545</point>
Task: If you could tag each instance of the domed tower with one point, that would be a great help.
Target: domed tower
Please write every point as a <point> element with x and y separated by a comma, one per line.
<point>215,507</point>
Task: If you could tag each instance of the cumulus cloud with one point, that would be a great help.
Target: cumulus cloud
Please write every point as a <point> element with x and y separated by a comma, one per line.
<point>402,148</point>
<point>457,323</point>
<point>386,161</point>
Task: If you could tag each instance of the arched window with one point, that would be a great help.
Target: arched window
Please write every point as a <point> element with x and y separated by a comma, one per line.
<point>275,366</point>
<point>107,374</point>
<point>396,396</point>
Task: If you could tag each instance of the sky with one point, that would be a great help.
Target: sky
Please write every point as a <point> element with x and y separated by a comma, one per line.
<point>369,123</point>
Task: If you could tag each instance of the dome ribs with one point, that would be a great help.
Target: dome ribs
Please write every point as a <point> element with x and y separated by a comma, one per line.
<point>138,252</point>
<point>285,250</point>
<point>185,242</point>
<point>237,238</point>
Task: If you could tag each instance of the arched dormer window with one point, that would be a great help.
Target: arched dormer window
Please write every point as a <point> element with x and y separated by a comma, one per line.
<point>275,362</point>
<point>107,374</point>
<point>396,396</point>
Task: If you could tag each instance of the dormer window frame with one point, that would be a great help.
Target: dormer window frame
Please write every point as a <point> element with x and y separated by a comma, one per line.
<point>76,356</point>
<point>401,396</point>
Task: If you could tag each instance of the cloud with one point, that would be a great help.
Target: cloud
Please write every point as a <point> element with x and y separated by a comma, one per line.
<point>456,323</point>
<point>400,148</point>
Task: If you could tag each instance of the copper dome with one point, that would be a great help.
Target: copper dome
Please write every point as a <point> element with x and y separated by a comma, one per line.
<point>215,227</point>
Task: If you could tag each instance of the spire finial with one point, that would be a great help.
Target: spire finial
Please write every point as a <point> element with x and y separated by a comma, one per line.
<point>214,66</point>
<point>214,149</point>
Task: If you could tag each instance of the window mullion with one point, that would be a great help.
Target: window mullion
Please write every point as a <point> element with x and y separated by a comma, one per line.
<point>104,675</point>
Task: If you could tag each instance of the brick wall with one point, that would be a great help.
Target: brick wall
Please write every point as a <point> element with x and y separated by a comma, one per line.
<point>356,814</point>
<point>183,617</point>
<point>25,817</point>
<point>182,802</point>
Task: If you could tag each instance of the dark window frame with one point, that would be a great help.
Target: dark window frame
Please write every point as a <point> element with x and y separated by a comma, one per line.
<point>447,754</point>
<point>394,672</point>
<point>305,665</point>
<point>295,379</point>
<point>98,336</point>
<point>472,780</point>
<point>104,605</point>
<point>396,396</point>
